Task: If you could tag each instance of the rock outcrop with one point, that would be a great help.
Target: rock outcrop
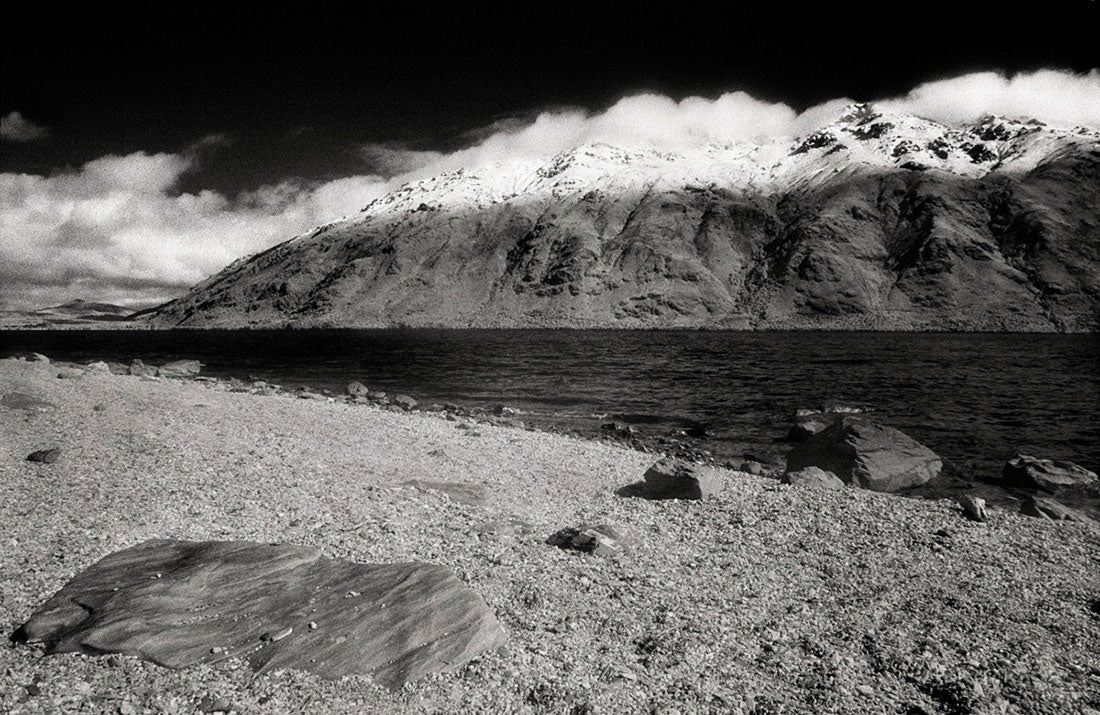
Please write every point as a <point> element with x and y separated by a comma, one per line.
<point>877,221</point>
<point>1026,472</point>
<point>867,455</point>
<point>178,603</point>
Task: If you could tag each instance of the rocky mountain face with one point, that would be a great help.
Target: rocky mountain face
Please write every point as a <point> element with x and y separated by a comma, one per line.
<point>876,221</point>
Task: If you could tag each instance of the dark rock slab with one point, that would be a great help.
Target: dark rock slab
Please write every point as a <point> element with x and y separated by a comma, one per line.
<point>867,455</point>
<point>813,477</point>
<point>23,401</point>
<point>673,478</point>
<point>180,603</point>
<point>472,494</point>
<point>595,539</point>
<point>45,456</point>
<point>1028,472</point>
<point>180,368</point>
<point>1050,509</point>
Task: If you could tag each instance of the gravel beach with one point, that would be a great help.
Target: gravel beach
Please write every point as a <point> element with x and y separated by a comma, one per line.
<point>764,598</point>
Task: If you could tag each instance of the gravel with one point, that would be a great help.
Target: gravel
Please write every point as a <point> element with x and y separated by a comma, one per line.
<point>761,599</point>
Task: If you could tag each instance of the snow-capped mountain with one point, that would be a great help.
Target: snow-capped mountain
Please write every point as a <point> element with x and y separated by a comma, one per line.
<point>875,221</point>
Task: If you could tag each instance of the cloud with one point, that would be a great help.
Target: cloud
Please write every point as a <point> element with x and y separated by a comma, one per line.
<point>118,228</point>
<point>14,127</point>
<point>1050,95</point>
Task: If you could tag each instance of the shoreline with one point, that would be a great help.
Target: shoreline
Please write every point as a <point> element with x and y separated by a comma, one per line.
<point>764,596</point>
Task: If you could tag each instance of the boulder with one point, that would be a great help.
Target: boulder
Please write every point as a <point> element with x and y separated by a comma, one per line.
<point>595,539</point>
<point>404,402</point>
<point>1026,472</point>
<point>45,456</point>
<point>677,479</point>
<point>813,477</point>
<point>356,389</point>
<point>752,467</point>
<point>181,603</point>
<point>137,367</point>
<point>974,508</point>
<point>180,368</point>
<point>867,455</point>
<point>98,367</point>
<point>39,357</point>
<point>807,427</point>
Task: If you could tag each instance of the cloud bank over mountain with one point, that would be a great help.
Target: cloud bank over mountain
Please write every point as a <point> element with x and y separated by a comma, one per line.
<point>119,229</point>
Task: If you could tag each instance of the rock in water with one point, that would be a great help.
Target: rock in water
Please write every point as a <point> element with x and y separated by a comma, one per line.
<point>813,477</point>
<point>677,479</point>
<point>1028,472</point>
<point>180,368</point>
<point>1050,509</point>
<point>45,456</point>
<point>175,602</point>
<point>867,455</point>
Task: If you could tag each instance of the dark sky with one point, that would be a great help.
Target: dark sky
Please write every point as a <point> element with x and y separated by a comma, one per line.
<point>297,89</point>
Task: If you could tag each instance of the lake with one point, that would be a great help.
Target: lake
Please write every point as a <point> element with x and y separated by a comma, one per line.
<point>975,399</point>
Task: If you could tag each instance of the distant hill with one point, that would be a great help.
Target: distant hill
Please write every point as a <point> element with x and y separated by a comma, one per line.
<point>74,313</point>
<point>876,221</point>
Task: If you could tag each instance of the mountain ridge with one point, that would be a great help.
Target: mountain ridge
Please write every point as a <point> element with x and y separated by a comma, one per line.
<point>875,221</point>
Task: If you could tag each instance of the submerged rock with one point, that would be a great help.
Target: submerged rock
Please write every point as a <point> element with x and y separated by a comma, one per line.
<point>813,477</point>
<point>180,368</point>
<point>1026,472</point>
<point>180,603</point>
<point>868,455</point>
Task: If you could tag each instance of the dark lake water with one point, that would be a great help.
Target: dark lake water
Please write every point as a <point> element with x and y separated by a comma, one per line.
<point>976,399</point>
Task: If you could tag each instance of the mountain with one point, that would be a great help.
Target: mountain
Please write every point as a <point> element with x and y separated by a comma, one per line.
<point>75,312</point>
<point>876,221</point>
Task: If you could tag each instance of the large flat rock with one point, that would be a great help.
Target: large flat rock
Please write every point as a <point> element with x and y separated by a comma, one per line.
<point>867,455</point>
<point>179,603</point>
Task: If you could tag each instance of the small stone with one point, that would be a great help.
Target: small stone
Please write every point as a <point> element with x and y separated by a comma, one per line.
<point>813,477</point>
<point>404,402</point>
<point>273,636</point>
<point>127,708</point>
<point>973,507</point>
<point>313,625</point>
<point>217,649</point>
<point>356,389</point>
<point>865,690</point>
<point>45,456</point>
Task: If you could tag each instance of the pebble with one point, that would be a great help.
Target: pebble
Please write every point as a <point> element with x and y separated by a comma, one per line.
<point>277,635</point>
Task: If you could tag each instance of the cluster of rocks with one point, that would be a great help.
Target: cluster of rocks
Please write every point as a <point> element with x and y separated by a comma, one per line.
<point>839,446</point>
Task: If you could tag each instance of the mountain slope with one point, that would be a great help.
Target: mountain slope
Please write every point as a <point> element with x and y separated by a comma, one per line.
<point>873,222</point>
